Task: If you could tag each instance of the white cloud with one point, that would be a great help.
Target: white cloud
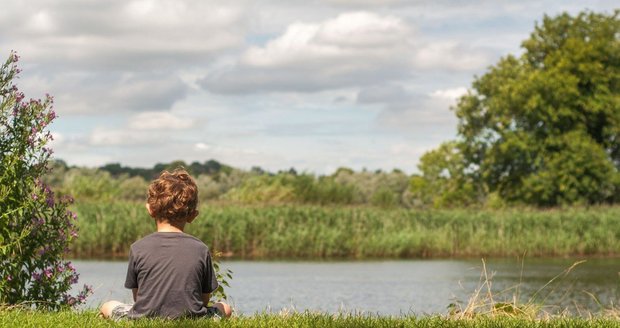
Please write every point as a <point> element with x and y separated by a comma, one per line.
<point>202,146</point>
<point>80,93</point>
<point>403,148</point>
<point>422,113</point>
<point>112,137</point>
<point>364,2</point>
<point>142,129</point>
<point>40,22</point>
<point>159,121</point>
<point>449,55</point>
<point>451,94</point>
<point>350,37</point>
<point>123,34</point>
<point>351,50</point>
<point>58,139</point>
<point>354,48</point>
<point>382,94</point>
<point>411,112</point>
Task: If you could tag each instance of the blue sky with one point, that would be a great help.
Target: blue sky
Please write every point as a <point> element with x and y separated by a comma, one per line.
<point>313,85</point>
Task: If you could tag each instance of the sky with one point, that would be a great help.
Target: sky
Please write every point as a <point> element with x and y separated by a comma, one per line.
<point>314,85</point>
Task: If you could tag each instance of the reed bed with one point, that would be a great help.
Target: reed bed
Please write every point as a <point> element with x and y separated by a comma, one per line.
<point>316,232</point>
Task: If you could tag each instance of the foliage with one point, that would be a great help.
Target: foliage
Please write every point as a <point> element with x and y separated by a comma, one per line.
<point>35,226</point>
<point>314,232</point>
<point>344,187</point>
<point>541,128</point>
<point>486,302</point>
<point>225,184</point>
<point>210,167</point>
<point>444,183</point>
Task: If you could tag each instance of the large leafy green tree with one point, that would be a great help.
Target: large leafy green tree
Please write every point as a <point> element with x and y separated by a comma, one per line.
<point>544,128</point>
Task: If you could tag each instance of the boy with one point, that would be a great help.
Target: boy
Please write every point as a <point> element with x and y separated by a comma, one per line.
<point>170,272</point>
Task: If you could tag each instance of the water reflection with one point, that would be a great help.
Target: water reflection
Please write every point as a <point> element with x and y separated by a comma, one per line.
<point>389,287</point>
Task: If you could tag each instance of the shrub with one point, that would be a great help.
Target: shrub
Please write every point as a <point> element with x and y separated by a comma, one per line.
<point>35,226</point>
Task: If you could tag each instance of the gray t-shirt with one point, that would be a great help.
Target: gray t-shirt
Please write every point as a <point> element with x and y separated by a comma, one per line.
<point>171,271</point>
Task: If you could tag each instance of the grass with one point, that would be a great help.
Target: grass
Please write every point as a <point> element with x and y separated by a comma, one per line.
<point>314,232</point>
<point>23,318</point>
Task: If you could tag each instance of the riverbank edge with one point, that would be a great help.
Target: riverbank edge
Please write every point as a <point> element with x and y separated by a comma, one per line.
<point>27,318</point>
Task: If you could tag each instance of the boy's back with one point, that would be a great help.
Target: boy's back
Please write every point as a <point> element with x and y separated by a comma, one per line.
<point>171,271</point>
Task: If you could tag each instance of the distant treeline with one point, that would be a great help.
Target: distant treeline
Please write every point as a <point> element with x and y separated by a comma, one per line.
<point>210,167</point>
<point>222,183</point>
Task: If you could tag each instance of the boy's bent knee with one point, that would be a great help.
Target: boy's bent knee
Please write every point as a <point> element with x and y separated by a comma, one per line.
<point>224,309</point>
<point>107,307</point>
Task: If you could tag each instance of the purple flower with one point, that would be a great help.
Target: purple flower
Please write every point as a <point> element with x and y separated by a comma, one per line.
<point>50,200</point>
<point>74,234</point>
<point>41,251</point>
<point>36,276</point>
<point>47,272</point>
<point>52,115</point>
<point>9,278</point>
<point>19,96</point>
<point>38,221</point>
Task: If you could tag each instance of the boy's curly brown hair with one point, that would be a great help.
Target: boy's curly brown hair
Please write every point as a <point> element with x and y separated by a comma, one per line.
<point>173,196</point>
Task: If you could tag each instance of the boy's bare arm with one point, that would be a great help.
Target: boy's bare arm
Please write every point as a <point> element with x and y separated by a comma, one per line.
<point>134,291</point>
<point>206,298</point>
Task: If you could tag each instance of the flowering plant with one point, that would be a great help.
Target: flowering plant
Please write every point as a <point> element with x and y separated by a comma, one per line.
<point>36,227</point>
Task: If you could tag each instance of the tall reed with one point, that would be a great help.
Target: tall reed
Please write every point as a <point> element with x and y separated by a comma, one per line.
<point>108,229</point>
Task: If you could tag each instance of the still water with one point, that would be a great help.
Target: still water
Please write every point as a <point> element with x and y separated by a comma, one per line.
<point>391,287</point>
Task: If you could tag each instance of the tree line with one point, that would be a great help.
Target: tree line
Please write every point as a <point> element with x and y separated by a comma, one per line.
<point>219,182</point>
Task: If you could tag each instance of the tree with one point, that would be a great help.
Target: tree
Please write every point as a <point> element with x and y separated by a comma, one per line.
<point>544,128</point>
<point>35,226</point>
<point>443,182</point>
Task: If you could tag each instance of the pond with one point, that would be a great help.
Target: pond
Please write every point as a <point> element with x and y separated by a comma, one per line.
<point>391,287</point>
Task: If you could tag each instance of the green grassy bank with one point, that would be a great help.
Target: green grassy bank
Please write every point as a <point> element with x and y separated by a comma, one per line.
<point>314,232</point>
<point>15,318</point>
